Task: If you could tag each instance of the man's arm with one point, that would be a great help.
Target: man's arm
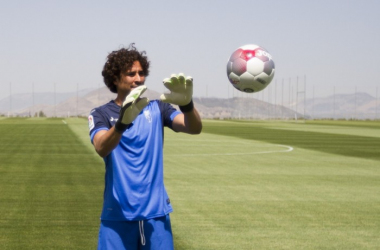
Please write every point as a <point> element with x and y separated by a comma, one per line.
<point>105,141</point>
<point>188,122</point>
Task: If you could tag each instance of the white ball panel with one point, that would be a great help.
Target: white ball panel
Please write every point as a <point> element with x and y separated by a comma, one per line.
<point>249,47</point>
<point>255,66</point>
<point>246,78</point>
<point>247,83</point>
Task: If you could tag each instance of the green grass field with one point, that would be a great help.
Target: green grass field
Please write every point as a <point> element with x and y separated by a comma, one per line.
<point>238,185</point>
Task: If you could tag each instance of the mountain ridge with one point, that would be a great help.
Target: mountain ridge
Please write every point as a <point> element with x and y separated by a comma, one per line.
<point>340,106</point>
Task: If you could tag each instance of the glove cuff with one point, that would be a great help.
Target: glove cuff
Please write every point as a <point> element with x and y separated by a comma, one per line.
<point>188,107</point>
<point>120,127</point>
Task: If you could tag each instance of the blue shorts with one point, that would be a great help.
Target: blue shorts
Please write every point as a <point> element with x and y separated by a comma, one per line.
<point>132,235</point>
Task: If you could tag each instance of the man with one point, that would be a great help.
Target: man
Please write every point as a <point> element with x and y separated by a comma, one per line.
<point>128,133</point>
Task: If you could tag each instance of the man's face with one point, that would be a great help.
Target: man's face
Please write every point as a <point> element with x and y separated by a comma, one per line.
<point>133,78</point>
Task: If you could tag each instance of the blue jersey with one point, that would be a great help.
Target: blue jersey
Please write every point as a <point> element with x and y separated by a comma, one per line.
<point>134,183</point>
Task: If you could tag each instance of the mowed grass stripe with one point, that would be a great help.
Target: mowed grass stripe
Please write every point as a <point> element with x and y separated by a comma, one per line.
<point>50,191</point>
<point>345,145</point>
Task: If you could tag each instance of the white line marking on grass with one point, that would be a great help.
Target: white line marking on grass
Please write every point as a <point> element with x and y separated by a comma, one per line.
<point>288,149</point>
<point>64,121</point>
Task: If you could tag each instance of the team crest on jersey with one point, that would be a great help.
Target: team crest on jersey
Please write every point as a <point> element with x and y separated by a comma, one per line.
<point>91,124</point>
<point>148,116</point>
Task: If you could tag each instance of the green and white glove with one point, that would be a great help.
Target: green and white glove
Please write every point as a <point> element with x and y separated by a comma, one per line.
<point>131,108</point>
<point>181,91</point>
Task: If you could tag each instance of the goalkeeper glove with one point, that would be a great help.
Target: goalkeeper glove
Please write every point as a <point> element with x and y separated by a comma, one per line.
<point>131,108</point>
<point>181,94</point>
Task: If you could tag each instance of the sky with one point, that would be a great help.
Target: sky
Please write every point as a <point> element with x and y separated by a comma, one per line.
<point>325,45</point>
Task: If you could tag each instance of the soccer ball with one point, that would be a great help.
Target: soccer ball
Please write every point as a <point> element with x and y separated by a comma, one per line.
<point>250,68</point>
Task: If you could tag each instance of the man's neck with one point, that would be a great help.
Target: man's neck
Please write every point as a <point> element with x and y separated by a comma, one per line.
<point>120,99</point>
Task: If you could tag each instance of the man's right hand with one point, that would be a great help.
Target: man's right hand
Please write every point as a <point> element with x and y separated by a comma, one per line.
<point>131,108</point>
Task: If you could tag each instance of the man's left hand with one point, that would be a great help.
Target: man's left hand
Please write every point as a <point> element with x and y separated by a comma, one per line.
<point>181,89</point>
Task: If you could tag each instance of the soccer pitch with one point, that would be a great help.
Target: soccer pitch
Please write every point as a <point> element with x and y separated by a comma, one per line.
<point>238,185</point>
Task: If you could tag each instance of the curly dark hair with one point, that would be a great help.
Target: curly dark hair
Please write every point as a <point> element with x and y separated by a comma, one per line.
<point>120,61</point>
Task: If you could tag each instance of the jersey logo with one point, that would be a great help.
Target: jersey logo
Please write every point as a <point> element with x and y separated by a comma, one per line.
<point>148,115</point>
<point>91,124</point>
<point>113,119</point>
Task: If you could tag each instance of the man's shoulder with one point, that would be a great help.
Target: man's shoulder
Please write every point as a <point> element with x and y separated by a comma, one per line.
<point>110,106</point>
<point>104,116</point>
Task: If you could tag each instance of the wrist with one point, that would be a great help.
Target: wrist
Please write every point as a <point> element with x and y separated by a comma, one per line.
<point>120,127</point>
<point>188,107</point>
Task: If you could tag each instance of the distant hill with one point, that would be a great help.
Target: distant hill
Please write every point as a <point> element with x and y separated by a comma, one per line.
<point>349,106</point>
<point>20,104</point>
<point>359,106</point>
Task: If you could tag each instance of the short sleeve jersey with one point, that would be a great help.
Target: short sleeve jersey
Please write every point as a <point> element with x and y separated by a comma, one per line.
<point>134,185</point>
